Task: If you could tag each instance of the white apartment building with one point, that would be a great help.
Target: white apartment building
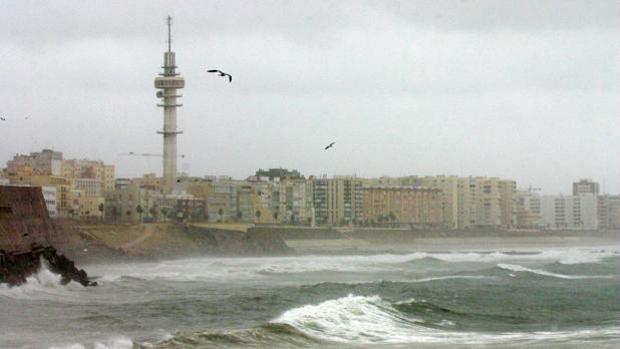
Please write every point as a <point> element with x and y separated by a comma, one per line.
<point>49,195</point>
<point>576,212</point>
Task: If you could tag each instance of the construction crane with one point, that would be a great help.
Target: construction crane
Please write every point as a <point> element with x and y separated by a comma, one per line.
<point>131,153</point>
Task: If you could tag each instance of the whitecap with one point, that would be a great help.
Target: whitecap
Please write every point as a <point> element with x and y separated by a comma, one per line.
<point>368,319</point>
<point>112,343</point>
<point>519,268</point>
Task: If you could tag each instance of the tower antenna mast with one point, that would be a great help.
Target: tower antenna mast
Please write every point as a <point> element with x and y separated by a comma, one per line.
<point>169,19</point>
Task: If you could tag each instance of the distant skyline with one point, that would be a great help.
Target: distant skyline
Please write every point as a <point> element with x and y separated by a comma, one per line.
<point>527,90</point>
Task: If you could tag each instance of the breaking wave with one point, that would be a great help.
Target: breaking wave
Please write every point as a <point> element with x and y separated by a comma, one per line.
<point>518,268</point>
<point>367,320</point>
<point>113,343</point>
<point>238,269</point>
<point>43,282</point>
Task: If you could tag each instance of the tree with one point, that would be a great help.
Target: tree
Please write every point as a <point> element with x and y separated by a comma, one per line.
<point>392,217</point>
<point>101,207</point>
<point>139,210</point>
<point>153,212</point>
<point>258,213</point>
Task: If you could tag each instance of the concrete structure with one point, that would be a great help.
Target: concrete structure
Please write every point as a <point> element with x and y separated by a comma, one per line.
<point>397,205</point>
<point>168,83</point>
<point>338,200</point>
<point>609,212</point>
<point>585,186</point>
<point>577,212</point>
<point>24,220</point>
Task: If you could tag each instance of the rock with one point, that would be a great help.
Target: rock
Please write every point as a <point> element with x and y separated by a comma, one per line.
<point>16,268</point>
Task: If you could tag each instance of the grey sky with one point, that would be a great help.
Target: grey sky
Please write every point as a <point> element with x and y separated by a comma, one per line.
<point>527,90</point>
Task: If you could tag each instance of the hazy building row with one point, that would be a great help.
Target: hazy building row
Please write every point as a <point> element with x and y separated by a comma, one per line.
<point>89,189</point>
<point>71,188</point>
<point>586,209</point>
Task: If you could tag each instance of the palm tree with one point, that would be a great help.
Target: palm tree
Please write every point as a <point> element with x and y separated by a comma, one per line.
<point>392,217</point>
<point>114,213</point>
<point>139,210</point>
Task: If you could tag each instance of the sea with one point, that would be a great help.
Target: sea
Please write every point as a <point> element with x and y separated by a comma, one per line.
<point>513,298</point>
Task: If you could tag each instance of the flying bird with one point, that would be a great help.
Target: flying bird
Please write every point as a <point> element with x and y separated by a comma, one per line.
<point>330,145</point>
<point>3,119</point>
<point>221,73</point>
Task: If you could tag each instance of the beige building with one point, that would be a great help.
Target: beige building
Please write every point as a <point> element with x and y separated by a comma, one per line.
<point>338,200</point>
<point>402,205</point>
<point>486,202</point>
<point>467,202</point>
<point>46,162</point>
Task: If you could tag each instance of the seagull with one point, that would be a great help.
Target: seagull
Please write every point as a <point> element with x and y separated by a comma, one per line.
<point>330,145</point>
<point>221,73</point>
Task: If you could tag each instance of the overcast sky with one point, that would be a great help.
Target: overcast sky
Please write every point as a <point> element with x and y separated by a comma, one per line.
<point>527,90</point>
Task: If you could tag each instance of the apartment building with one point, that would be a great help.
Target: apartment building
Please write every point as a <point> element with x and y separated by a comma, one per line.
<point>402,205</point>
<point>338,200</point>
<point>608,207</point>
<point>576,212</point>
<point>585,186</point>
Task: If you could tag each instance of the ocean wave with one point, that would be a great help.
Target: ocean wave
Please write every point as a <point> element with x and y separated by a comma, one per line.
<point>225,269</point>
<point>112,343</point>
<point>451,277</point>
<point>40,285</point>
<point>562,256</point>
<point>371,320</point>
<point>519,268</point>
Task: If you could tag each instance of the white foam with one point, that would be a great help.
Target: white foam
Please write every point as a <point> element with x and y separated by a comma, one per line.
<point>112,343</point>
<point>44,281</point>
<point>366,320</point>
<point>450,277</point>
<point>563,256</point>
<point>217,269</point>
<point>519,268</point>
